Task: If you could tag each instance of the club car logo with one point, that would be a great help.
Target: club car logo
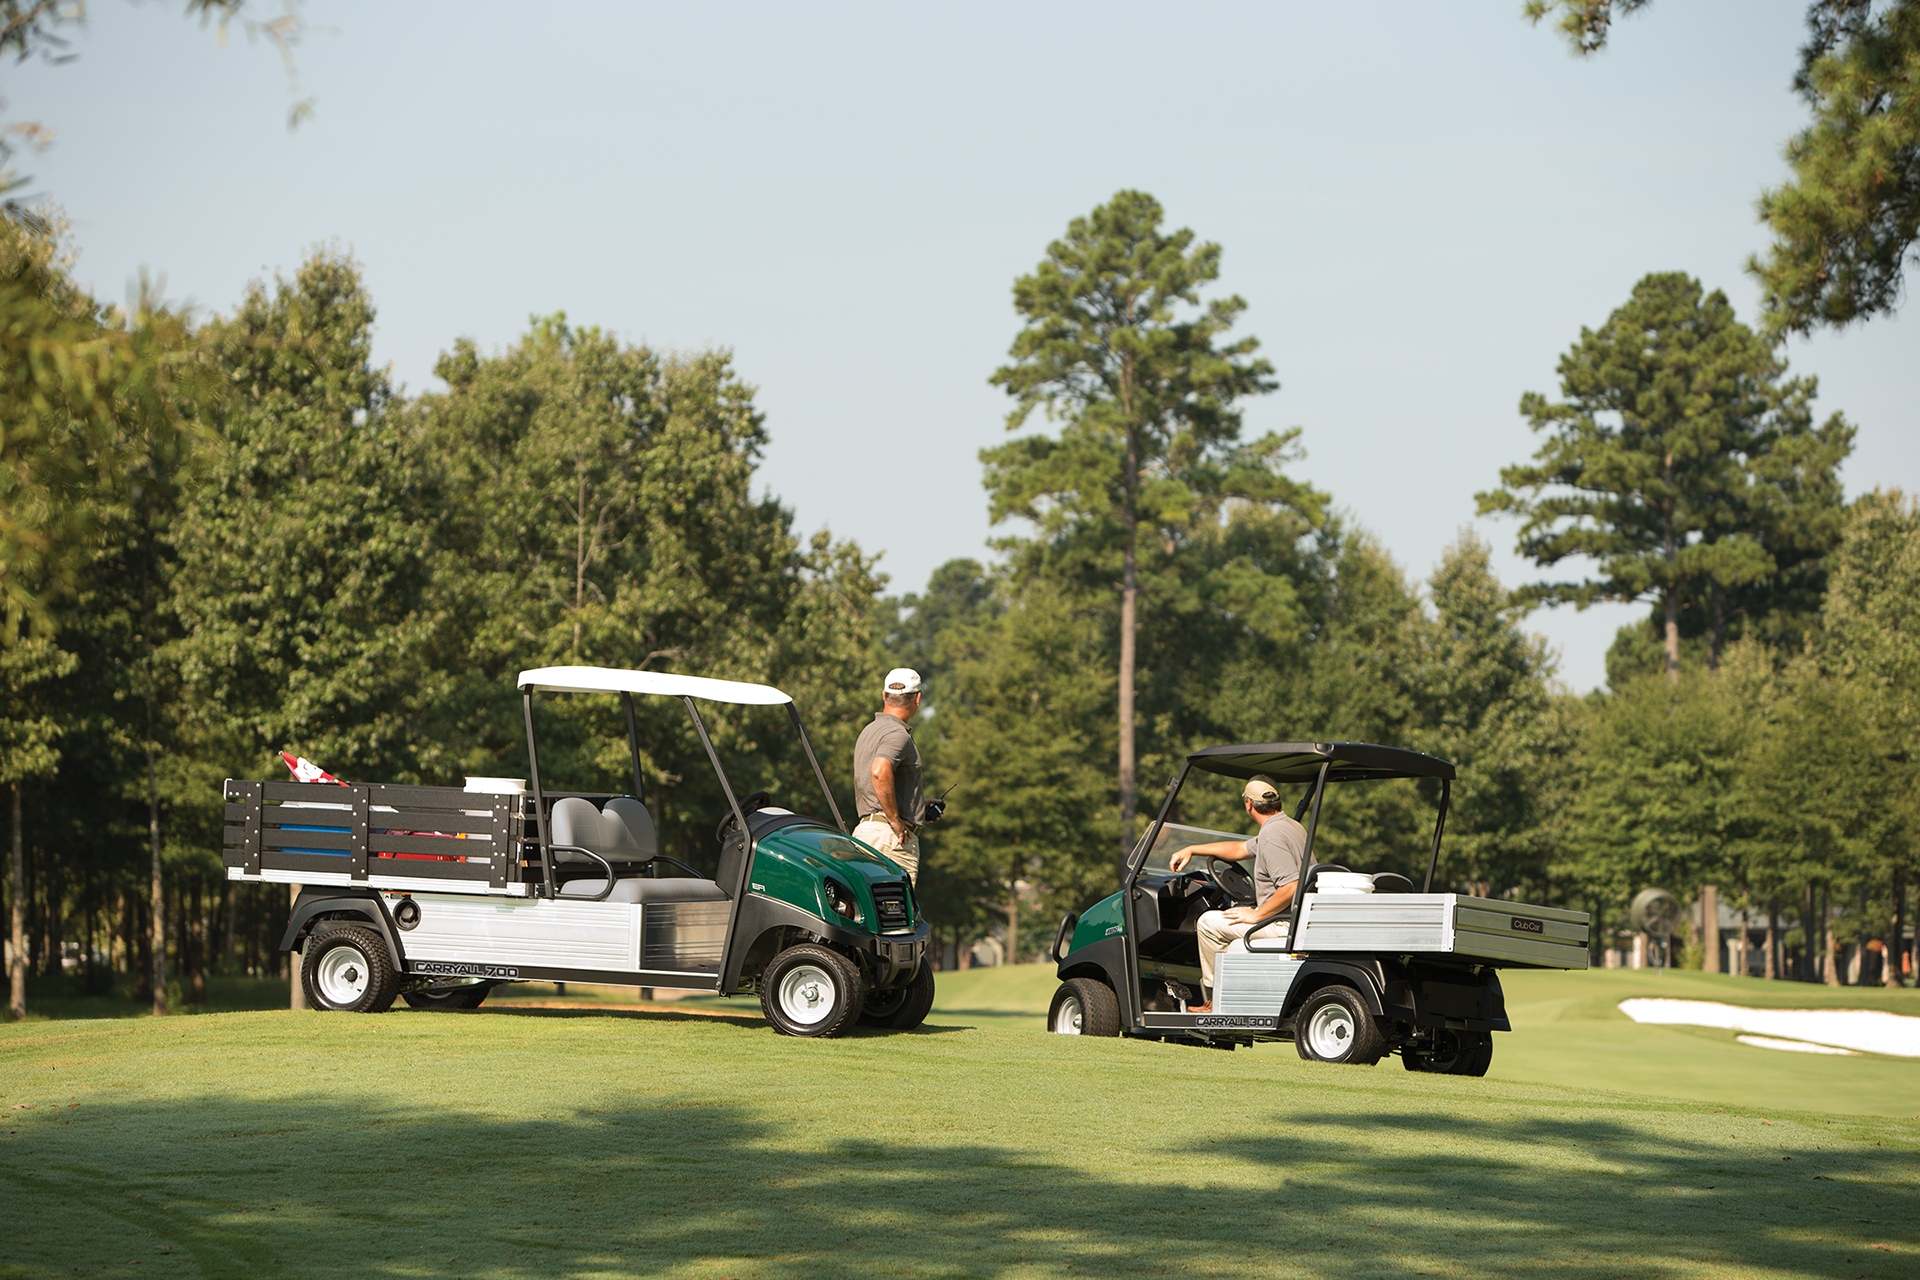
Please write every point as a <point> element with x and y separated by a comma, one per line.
<point>1523,925</point>
<point>452,968</point>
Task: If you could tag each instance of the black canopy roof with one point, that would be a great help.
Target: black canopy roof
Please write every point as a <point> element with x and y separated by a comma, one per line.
<point>1301,761</point>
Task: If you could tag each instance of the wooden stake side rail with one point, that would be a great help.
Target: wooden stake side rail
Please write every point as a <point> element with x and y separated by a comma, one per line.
<point>375,834</point>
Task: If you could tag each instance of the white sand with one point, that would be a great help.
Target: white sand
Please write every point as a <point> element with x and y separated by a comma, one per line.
<point>1868,1030</point>
<point>1793,1046</point>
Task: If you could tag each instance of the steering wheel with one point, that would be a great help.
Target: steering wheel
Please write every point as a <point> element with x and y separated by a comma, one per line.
<point>1231,879</point>
<point>748,804</point>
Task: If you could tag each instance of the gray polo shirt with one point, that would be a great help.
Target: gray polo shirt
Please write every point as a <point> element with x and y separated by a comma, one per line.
<point>1278,849</point>
<point>887,739</point>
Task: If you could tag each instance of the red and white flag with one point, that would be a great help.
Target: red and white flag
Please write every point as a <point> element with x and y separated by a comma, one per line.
<point>305,770</point>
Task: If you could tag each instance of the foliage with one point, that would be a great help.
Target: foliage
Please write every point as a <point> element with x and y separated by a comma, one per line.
<point>1148,402</point>
<point>1683,463</point>
<point>1847,222</point>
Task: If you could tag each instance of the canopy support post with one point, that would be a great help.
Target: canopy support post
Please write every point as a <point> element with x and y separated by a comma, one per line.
<point>1440,825</point>
<point>633,746</point>
<point>539,798</point>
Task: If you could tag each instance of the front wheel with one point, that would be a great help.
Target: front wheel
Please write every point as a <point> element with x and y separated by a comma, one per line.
<point>348,969</point>
<point>1335,1025</point>
<point>1084,1007</point>
<point>811,990</point>
<point>903,1008</point>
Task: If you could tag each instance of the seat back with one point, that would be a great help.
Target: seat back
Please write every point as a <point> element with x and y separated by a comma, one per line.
<point>623,833</point>
<point>635,823</point>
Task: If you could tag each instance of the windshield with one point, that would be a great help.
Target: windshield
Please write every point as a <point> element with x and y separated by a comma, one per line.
<point>1175,837</point>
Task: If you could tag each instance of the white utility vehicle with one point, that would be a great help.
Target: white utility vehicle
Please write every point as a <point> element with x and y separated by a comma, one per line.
<point>438,894</point>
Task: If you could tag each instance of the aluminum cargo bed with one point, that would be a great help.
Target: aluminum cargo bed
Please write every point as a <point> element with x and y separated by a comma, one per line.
<point>1486,929</point>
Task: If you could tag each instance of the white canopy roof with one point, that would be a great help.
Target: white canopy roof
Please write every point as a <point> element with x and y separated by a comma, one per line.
<point>615,680</point>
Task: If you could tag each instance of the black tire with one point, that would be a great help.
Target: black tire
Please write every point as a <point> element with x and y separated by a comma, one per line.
<point>467,996</point>
<point>1084,1007</point>
<point>1335,1025</point>
<point>810,990</point>
<point>903,1008</point>
<point>347,969</point>
<point>1453,1053</point>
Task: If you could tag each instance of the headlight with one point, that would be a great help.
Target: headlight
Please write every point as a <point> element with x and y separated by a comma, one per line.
<point>840,898</point>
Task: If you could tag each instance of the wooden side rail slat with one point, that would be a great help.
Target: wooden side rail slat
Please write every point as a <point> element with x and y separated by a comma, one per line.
<point>406,797</point>
<point>428,820</point>
<point>431,870</point>
<point>446,846</point>
<point>273,839</point>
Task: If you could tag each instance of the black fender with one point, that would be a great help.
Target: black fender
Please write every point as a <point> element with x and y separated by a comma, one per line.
<point>1106,960</point>
<point>366,904</point>
<point>891,958</point>
<point>1362,975</point>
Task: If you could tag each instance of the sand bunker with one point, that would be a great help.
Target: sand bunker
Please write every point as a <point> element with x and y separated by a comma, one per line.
<point>1794,1046</point>
<point>1867,1030</point>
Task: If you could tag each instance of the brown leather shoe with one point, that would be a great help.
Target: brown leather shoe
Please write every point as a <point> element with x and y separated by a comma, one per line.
<point>1201,1008</point>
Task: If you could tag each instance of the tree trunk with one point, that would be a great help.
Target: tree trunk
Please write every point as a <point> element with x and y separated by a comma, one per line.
<point>195,940</point>
<point>1710,928</point>
<point>1013,914</point>
<point>297,996</point>
<point>1773,938</point>
<point>1716,626</point>
<point>17,971</point>
<point>158,886</point>
<point>1830,966</point>
<point>1129,605</point>
<point>1809,937</point>
<point>1890,970</point>
<point>1673,637</point>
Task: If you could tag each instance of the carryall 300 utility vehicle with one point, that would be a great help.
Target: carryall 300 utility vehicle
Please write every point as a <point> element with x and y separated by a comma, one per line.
<point>437,894</point>
<point>1368,966</point>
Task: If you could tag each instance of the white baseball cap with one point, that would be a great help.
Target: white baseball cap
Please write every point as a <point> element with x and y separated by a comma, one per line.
<point>902,681</point>
<point>1261,789</point>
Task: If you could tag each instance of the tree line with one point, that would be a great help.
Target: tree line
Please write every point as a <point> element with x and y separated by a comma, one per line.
<point>222,539</point>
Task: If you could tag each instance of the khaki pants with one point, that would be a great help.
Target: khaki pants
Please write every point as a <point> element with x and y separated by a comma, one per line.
<point>1215,935</point>
<point>879,833</point>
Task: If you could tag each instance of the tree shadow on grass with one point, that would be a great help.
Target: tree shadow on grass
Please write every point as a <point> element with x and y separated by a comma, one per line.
<point>321,1186</point>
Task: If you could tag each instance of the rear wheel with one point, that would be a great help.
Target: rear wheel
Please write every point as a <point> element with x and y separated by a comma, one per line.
<point>347,969</point>
<point>1084,1007</point>
<point>903,1008</point>
<point>811,990</point>
<point>1335,1025</point>
<point>467,996</point>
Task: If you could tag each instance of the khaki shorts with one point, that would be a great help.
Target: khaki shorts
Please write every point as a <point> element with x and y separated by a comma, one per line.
<point>906,852</point>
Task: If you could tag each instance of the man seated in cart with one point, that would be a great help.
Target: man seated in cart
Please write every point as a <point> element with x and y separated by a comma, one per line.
<point>1277,850</point>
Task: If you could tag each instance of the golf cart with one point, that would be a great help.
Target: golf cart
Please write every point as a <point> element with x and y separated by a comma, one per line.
<point>438,894</point>
<point>1368,966</point>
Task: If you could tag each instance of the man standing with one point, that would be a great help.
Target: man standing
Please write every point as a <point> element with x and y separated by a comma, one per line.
<point>886,776</point>
<point>1277,850</point>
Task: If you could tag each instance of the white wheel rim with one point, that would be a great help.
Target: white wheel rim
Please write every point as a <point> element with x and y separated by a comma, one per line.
<point>807,994</point>
<point>1070,1017</point>
<point>1330,1031</point>
<point>342,975</point>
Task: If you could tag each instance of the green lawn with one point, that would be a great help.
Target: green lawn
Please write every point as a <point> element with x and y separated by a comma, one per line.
<point>616,1141</point>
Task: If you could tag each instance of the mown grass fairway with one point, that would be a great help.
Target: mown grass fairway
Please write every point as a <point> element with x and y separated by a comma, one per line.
<point>521,1143</point>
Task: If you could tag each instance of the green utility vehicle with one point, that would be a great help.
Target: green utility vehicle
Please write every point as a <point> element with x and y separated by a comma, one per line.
<point>1364,967</point>
<point>438,894</point>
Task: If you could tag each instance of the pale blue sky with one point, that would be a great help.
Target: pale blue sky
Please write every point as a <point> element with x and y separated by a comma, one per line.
<point>1422,203</point>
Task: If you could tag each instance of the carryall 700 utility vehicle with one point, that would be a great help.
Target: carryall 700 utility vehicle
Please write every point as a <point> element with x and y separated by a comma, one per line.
<point>1368,966</point>
<point>437,894</point>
